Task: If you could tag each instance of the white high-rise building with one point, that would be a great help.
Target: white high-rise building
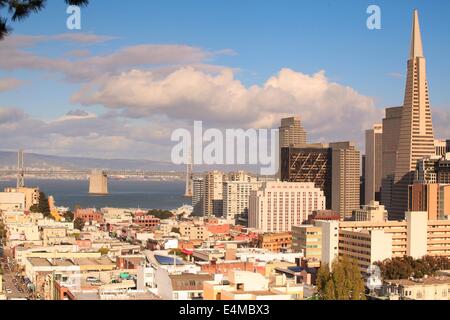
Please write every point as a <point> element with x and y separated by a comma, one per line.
<point>236,195</point>
<point>277,206</point>
<point>213,193</point>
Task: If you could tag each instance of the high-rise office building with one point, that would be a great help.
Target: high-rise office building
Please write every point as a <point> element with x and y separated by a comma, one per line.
<point>391,132</point>
<point>213,193</point>
<point>373,163</point>
<point>440,147</point>
<point>277,206</point>
<point>416,140</point>
<point>312,163</point>
<point>345,178</point>
<point>432,198</point>
<point>292,133</point>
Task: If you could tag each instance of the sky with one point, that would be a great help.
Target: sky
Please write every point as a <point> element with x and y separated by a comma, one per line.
<point>139,69</point>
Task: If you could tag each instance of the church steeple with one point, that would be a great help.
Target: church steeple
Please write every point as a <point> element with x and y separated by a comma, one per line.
<point>416,38</point>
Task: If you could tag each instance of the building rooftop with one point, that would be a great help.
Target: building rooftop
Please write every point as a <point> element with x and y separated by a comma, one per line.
<point>421,282</point>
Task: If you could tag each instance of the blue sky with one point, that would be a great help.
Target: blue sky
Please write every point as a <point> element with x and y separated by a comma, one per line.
<point>265,36</point>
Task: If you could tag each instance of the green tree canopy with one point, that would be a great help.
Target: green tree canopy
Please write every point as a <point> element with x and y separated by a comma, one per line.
<point>406,267</point>
<point>79,224</point>
<point>344,282</point>
<point>43,205</point>
<point>21,9</point>
<point>161,214</point>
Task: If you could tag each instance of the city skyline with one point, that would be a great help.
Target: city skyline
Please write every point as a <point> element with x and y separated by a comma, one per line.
<point>107,122</point>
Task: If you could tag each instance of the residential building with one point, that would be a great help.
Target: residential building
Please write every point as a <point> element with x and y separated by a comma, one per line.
<point>213,194</point>
<point>236,195</point>
<point>277,206</point>
<point>31,195</point>
<point>198,196</point>
<point>275,242</point>
<point>12,201</point>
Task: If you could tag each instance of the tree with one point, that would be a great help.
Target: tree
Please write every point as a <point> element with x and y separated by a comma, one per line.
<point>78,224</point>
<point>21,9</point>
<point>68,216</point>
<point>103,251</point>
<point>161,214</point>
<point>344,282</point>
<point>406,267</point>
<point>43,206</point>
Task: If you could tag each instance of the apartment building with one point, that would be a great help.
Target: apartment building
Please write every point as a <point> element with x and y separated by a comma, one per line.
<point>277,206</point>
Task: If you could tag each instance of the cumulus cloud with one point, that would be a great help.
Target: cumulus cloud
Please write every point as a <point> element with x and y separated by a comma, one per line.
<point>327,108</point>
<point>87,134</point>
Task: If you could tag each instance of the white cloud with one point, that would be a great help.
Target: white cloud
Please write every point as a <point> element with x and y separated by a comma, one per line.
<point>328,109</point>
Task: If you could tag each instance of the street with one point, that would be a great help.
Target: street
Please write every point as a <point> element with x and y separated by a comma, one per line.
<point>13,287</point>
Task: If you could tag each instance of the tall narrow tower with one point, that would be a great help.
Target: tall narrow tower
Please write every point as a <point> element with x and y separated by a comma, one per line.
<point>416,139</point>
<point>189,178</point>
<point>20,170</point>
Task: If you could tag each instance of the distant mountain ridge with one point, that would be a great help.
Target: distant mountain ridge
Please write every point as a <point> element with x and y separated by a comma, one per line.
<point>33,160</point>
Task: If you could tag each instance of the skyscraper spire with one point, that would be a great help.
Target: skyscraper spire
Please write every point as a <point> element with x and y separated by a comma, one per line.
<point>416,138</point>
<point>416,38</point>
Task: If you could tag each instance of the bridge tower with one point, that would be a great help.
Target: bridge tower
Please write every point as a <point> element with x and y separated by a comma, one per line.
<point>20,170</point>
<point>98,182</point>
<point>189,178</point>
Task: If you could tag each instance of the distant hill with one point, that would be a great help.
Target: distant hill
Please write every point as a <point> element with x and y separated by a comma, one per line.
<point>33,160</point>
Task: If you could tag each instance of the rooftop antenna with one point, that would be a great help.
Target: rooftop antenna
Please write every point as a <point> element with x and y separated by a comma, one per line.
<point>20,170</point>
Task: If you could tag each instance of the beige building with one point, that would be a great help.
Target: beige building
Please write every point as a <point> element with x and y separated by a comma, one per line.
<point>374,163</point>
<point>372,212</point>
<point>346,161</point>
<point>245,285</point>
<point>292,133</point>
<point>365,247</point>
<point>277,206</point>
<point>31,195</point>
<point>308,239</point>
<point>213,193</point>
<point>193,231</point>
<point>236,195</point>
<point>416,140</point>
<point>12,201</point>
<point>435,288</point>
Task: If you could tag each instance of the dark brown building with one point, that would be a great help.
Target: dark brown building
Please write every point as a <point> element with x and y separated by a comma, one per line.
<point>312,163</point>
